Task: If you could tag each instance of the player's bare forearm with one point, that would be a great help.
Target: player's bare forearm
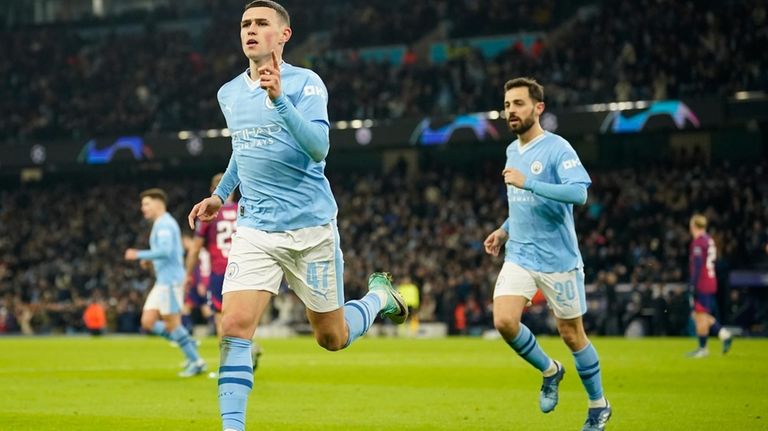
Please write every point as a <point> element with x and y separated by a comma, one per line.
<point>193,255</point>
<point>191,261</point>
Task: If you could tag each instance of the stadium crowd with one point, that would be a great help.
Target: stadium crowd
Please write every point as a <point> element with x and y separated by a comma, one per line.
<point>616,54</point>
<point>61,243</point>
<point>169,80</point>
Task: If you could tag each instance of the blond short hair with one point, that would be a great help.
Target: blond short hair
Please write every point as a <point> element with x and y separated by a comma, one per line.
<point>699,220</point>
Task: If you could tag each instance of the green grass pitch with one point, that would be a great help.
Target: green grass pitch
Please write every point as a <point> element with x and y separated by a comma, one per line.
<point>130,383</point>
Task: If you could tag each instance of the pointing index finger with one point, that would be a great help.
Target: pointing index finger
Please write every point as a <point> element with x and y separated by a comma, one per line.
<point>274,61</point>
<point>192,215</point>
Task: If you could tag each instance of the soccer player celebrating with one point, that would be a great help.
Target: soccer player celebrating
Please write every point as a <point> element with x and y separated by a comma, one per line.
<point>215,238</point>
<point>162,311</point>
<point>703,287</point>
<point>278,119</point>
<point>544,179</point>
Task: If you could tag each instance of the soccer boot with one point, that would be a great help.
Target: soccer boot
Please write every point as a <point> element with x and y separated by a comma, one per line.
<point>395,308</point>
<point>548,396</point>
<point>727,344</point>
<point>194,368</point>
<point>597,417</point>
<point>698,353</point>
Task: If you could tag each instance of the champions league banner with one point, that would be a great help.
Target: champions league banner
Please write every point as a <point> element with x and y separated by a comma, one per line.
<point>356,135</point>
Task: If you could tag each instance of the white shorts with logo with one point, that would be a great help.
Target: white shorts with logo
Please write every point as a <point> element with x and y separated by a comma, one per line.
<point>165,298</point>
<point>309,258</point>
<point>564,291</point>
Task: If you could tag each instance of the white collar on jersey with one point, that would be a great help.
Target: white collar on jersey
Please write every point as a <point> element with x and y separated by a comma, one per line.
<point>531,143</point>
<point>252,85</point>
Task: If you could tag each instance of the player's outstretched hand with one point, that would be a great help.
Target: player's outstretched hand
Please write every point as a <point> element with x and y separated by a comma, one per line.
<point>131,254</point>
<point>269,77</point>
<point>514,177</point>
<point>494,241</point>
<point>205,210</point>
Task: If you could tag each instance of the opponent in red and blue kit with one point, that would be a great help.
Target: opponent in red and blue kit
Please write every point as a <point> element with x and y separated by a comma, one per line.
<point>703,287</point>
<point>214,239</point>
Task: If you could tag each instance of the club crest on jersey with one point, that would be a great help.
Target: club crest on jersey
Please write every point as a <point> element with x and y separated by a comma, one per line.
<point>232,270</point>
<point>536,167</point>
<point>268,102</point>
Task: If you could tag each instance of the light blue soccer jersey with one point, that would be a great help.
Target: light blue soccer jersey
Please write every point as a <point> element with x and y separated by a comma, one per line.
<point>282,187</point>
<point>542,235</point>
<point>166,251</point>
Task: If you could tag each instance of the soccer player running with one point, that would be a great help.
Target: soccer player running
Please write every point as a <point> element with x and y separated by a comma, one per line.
<point>215,238</point>
<point>278,119</point>
<point>703,287</point>
<point>544,179</point>
<point>162,310</point>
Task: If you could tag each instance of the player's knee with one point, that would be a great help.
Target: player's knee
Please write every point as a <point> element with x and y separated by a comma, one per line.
<point>329,341</point>
<point>235,325</point>
<point>573,336</point>
<point>506,325</point>
<point>571,340</point>
<point>147,322</point>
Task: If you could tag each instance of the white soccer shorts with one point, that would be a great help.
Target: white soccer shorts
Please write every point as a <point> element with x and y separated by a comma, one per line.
<point>310,258</point>
<point>564,291</point>
<point>165,298</point>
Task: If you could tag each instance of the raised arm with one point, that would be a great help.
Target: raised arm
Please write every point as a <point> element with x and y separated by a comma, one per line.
<point>307,122</point>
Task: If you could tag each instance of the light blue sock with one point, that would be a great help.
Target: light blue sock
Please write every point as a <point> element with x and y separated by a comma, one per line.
<point>158,328</point>
<point>588,367</point>
<point>185,342</point>
<point>235,381</point>
<point>360,315</point>
<point>528,348</point>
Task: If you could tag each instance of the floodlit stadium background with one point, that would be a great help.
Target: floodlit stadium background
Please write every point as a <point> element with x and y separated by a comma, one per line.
<point>665,102</point>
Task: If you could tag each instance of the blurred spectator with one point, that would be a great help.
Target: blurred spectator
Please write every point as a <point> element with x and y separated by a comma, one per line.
<point>95,316</point>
